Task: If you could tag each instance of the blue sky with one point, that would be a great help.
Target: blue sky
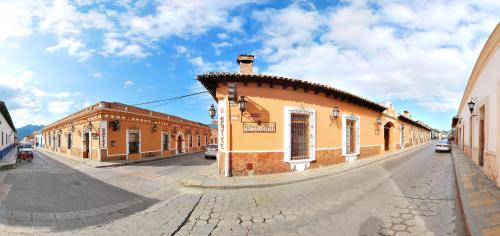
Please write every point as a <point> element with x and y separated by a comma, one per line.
<point>56,57</point>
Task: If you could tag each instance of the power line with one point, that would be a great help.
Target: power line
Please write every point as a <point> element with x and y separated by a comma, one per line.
<point>169,99</point>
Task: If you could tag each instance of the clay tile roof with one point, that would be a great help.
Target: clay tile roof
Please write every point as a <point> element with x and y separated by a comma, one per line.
<point>211,79</point>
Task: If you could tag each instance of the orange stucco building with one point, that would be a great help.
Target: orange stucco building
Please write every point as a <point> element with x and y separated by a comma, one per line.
<point>113,131</point>
<point>285,124</point>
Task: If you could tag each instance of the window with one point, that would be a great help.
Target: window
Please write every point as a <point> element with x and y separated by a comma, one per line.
<point>402,142</point>
<point>299,136</point>
<point>2,138</point>
<point>350,136</point>
<point>190,140</point>
<point>69,141</point>
<point>166,141</point>
<point>133,143</point>
<point>58,140</point>
<point>199,140</point>
<point>206,140</point>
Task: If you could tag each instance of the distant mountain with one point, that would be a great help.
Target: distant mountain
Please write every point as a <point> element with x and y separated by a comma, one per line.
<point>26,130</point>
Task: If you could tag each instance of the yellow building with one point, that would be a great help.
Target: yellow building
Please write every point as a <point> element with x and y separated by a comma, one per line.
<point>271,124</point>
<point>113,131</point>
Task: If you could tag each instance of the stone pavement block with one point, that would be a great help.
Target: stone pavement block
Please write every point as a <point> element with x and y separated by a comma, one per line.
<point>43,216</point>
<point>70,224</point>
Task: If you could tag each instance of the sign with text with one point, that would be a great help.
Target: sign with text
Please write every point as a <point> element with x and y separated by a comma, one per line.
<point>259,127</point>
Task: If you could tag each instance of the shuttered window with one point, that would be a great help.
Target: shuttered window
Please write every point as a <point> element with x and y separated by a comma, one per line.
<point>299,136</point>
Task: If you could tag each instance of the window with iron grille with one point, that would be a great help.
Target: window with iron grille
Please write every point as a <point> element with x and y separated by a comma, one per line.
<point>166,141</point>
<point>299,136</point>
<point>133,143</point>
<point>351,136</point>
<point>69,141</point>
<point>190,140</point>
<point>199,140</point>
<point>58,140</point>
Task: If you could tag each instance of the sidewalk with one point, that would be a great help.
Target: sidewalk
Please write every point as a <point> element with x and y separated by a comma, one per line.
<point>208,178</point>
<point>103,164</point>
<point>478,196</point>
<point>9,161</point>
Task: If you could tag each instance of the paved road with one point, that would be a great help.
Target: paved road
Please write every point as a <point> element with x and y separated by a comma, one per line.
<point>66,195</point>
<point>409,195</point>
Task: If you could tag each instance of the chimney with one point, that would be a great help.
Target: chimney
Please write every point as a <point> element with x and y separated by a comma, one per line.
<point>246,63</point>
<point>407,114</point>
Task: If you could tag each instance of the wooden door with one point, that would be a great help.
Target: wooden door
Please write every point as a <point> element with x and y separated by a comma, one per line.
<point>179,144</point>
<point>481,142</point>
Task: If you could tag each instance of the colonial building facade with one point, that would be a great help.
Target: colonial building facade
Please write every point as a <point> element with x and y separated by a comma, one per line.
<point>113,131</point>
<point>271,124</point>
<point>477,124</point>
<point>7,131</point>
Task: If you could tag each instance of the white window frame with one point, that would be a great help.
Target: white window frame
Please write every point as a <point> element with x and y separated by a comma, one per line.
<point>352,156</point>
<point>288,110</point>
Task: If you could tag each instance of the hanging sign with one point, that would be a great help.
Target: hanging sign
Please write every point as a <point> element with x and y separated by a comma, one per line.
<point>259,127</point>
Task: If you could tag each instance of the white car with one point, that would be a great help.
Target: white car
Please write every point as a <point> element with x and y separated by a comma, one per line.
<point>211,151</point>
<point>443,146</point>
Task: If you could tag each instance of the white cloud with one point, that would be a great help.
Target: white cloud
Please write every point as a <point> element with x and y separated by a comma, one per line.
<point>97,75</point>
<point>75,48</point>
<point>380,54</point>
<point>204,67</point>
<point>219,46</point>
<point>127,84</point>
<point>59,107</point>
<point>133,50</point>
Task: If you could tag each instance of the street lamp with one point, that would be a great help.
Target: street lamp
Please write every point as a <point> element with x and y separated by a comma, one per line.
<point>242,104</point>
<point>211,111</point>
<point>378,121</point>
<point>335,112</point>
<point>89,126</point>
<point>471,105</point>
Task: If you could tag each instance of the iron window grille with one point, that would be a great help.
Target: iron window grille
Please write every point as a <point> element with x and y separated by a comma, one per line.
<point>190,140</point>
<point>133,143</point>
<point>199,140</point>
<point>69,141</point>
<point>166,141</point>
<point>299,136</point>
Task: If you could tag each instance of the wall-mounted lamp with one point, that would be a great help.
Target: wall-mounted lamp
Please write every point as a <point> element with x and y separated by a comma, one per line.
<point>242,104</point>
<point>155,128</point>
<point>71,129</point>
<point>378,121</point>
<point>211,111</point>
<point>471,105</point>
<point>335,113</point>
<point>115,125</point>
<point>89,126</point>
<point>60,132</point>
<point>175,130</point>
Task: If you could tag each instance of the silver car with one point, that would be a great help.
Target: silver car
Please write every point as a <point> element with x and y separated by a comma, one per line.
<point>443,146</point>
<point>211,151</point>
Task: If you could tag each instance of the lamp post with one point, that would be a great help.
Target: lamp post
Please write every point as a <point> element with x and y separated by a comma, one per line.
<point>335,113</point>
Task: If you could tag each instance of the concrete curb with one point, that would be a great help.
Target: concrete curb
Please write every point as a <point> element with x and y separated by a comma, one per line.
<point>107,164</point>
<point>470,223</point>
<point>190,184</point>
<point>12,164</point>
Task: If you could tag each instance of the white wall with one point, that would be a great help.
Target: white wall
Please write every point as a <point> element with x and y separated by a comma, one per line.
<point>485,94</point>
<point>7,130</point>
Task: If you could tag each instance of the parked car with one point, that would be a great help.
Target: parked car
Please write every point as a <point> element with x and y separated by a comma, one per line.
<point>211,151</point>
<point>25,152</point>
<point>443,146</point>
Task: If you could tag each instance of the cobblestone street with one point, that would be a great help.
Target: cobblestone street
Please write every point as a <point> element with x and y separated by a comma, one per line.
<point>411,193</point>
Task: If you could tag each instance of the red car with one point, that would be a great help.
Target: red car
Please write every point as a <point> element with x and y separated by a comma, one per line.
<point>25,152</point>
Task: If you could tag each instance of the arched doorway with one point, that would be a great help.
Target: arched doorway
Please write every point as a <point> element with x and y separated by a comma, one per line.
<point>179,144</point>
<point>387,135</point>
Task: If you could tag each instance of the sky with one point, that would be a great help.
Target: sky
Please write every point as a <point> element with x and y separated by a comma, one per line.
<point>57,57</point>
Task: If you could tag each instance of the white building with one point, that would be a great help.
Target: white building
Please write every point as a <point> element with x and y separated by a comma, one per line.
<point>7,131</point>
<point>477,124</point>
